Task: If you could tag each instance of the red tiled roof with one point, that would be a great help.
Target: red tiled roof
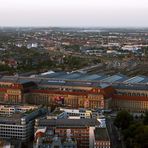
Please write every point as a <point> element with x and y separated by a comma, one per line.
<point>62,92</point>
<point>134,98</point>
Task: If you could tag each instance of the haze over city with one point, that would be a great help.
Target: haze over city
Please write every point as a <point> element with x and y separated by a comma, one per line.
<point>76,13</point>
<point>73,74</point>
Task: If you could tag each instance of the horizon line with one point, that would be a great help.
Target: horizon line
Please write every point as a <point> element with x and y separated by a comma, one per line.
<point>62,26</point>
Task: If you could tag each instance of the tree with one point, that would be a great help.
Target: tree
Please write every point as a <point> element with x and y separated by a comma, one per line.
<point>141,116</point>
<point>145,120</point>
<point>6,68</point>
<point>123,119</point>
<point>141,136</point>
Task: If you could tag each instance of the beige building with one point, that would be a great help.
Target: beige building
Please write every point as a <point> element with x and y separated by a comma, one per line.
<point>133,98</point>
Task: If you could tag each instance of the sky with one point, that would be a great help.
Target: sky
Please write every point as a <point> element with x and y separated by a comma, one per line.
<point>74,13</point>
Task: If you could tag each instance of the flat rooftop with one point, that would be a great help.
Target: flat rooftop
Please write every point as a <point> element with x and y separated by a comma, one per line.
<point>16,117</point>
<point>73,83</point>
<point>53,75</point>
<point>56,112</point>
<point>131,86</point>
<point>115,78</point>
<point>11,119</point>
<point>136,79</point>
<point>69,122</point>
<point>84,80</point>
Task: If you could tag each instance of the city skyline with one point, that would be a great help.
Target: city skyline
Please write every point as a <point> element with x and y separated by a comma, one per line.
<point>76,13</point>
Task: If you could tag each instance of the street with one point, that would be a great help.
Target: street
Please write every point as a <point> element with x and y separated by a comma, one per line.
<point>116,141</point>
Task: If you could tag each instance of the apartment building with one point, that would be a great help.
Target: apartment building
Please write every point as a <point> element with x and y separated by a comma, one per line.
<point>80,129</point>
<point>102,139</point>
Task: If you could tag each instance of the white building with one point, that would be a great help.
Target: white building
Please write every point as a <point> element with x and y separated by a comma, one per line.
<point>130,48</point>
<point>77,113</point>
<point>10,109</point>
<point>57,114</point>
<point>18,126</point>
<point>32,45</point>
